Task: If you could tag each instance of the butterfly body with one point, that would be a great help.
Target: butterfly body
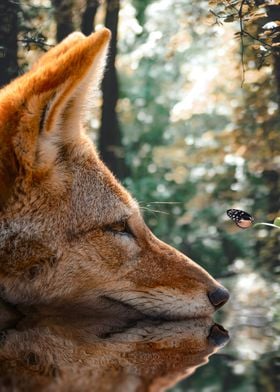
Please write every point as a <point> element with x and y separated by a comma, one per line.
<point>241,218</point>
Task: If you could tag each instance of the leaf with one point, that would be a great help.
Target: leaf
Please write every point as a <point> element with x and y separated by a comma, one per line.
<point>229,18</point>
<point>277,221</point>
<point>256,16</point>
<point>271,25</point>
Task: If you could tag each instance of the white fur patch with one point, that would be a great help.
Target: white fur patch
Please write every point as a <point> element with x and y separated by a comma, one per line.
<point>165,302</point>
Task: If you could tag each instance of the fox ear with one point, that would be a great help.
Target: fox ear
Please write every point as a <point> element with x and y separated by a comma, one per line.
<point>38,107</point>
<point>58,50</point>
<point>78,69</point>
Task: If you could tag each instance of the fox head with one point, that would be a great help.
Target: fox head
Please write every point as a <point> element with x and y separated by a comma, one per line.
<point>68,229</point>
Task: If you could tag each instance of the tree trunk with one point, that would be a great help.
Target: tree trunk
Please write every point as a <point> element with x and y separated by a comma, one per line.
<point>88,17</point>
<point>110,143</point>
<point>273,13</point>
<point>8,40</point>
<point>63,14</point>
<point>272,177</point>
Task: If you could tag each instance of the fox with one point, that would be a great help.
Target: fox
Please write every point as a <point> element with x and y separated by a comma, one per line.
<point>67,352</point>
<point>69,231</point>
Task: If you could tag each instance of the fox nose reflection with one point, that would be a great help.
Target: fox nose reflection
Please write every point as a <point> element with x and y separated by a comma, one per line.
<point>218,335</point>
<point>218,297</point>
<point>93,354</point>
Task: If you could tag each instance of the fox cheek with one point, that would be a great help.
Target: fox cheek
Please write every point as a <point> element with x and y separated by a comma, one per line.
<point>25,257</point>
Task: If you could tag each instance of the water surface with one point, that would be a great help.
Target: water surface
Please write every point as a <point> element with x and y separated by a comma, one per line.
<point>109,347</point>
<point>250,362</point>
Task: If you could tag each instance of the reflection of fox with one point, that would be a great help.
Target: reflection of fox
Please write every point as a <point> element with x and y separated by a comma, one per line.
<point>68,229</point>
<point>63,353</point>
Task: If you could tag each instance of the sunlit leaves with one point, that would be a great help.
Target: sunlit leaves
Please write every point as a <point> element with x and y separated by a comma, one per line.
<point>258,23</point>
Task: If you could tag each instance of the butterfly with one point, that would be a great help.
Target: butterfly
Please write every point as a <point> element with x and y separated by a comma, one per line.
<point>241,218</point>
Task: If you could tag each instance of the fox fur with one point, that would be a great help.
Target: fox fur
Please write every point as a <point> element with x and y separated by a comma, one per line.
<point>68,353</point>
<point>68,228</point>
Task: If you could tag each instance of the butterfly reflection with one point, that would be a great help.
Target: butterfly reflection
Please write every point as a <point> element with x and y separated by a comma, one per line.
<point>241,218</point>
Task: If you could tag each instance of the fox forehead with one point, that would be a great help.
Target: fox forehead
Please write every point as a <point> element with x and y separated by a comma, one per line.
<point>95,197</point>
<point>78,194</point>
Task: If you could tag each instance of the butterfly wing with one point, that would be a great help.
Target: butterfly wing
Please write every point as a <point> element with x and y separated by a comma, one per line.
<point>241,218</point>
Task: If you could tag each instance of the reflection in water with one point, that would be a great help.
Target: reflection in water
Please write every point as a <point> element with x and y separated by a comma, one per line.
<point>251,360</point>
<point>109,348</point>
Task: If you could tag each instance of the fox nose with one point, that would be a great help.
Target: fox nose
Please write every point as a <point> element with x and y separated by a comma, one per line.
<point>218,335</point>
<point>218,297</point>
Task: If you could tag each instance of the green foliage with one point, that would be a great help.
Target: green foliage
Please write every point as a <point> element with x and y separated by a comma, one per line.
<point>141,6</point>
<point>194,137</point>
<point>260,376</point>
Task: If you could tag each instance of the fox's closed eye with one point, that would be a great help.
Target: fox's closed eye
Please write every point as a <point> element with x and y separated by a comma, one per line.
<point>121,228</point>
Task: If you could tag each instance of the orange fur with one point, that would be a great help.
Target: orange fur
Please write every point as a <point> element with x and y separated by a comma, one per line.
<point>60,206</point>
<point>103,352</point>
<point>57,51</point>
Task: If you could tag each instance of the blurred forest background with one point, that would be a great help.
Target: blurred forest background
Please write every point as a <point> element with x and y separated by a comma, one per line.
<point>188,120</point>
